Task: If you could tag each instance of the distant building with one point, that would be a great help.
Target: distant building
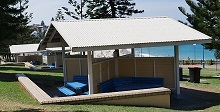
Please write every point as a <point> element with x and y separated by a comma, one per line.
<point>39,29</point>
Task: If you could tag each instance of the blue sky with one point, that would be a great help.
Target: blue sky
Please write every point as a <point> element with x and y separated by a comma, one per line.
<point>46,9</point>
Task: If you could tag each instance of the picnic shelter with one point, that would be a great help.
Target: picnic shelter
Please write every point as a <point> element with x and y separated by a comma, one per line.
<point>121,33</point>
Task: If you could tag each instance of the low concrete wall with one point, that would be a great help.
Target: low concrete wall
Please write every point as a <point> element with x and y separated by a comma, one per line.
<point>33,89</point>
<point>152,98</point>
<point>157,97</point>
<point>155,101</point>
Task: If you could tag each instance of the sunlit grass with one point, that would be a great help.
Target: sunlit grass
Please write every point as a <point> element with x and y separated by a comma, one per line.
<point>15,98</point>
<point>207,79</point>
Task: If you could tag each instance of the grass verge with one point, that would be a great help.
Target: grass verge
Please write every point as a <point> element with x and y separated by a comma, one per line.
<point>15,98</point>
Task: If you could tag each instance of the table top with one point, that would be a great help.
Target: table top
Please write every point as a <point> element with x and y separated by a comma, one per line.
<point>76,85</point>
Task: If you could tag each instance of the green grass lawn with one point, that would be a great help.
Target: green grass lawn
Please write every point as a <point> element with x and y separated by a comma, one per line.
<point>15,98</point>
<point>207,81</point>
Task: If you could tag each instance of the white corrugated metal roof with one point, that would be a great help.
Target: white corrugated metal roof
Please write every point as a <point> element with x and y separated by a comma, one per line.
<point>133,32</point>
<point>32,48</point>
<point>58,49</point>
<point>23,48</point>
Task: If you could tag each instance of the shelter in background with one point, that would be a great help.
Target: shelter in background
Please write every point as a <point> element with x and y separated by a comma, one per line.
<point>29,53</point>
<point>26,52</point>
<point>53,56</point>
<point>106,34</point>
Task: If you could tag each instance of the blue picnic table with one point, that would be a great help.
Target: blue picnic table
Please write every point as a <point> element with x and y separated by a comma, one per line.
<point>77,86</point>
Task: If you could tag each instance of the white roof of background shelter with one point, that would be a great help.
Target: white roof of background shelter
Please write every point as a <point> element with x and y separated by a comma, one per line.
<point>24,48</point>
<point>32,48</point>
<point>103,34</point>
<point>57,49</point>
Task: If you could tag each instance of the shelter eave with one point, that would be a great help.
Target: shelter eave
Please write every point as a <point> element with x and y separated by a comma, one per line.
<point>52,45</point>
<point>52,39</point>
<point>139,45</point>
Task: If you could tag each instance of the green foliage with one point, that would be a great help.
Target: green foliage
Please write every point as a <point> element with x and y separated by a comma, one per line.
<point>111,9</point>
<point>205,17</point>
<point>96,9</point>
<point>217,54</point>
<point>59,15</point>
<point>13,23</point>
<point>78,12</point>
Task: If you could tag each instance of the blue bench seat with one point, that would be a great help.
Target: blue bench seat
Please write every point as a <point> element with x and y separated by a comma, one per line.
<point>107,86</point>
<point>129,83</point>
<point>66,91</point>
<point>135,86</point>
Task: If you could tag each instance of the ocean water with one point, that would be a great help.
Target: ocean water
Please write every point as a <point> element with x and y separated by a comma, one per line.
<point>194,52</point>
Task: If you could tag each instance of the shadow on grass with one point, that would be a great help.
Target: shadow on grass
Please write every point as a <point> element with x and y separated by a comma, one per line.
<point>187,78</point>
<point>208,77</point>
<point>10,77</point>
<point>14,69</point>
<point>195,100</point>
<point>191,99</point>
<point>47,83</point>
<point>13,64</point>
<point>7,77</point>
<point>30,110</point>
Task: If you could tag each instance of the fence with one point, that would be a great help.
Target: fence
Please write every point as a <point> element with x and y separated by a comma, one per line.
<point>196,62</point>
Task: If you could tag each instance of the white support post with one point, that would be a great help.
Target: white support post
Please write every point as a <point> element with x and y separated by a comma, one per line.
<point>90,72</point>
<point>108,71</point>
<point>100,72</point>
<point>133,52</point>
<point>55,59</point>
<point>80,67</point>
<point>16,58</point>
<point>64,63</point>
<point>154,67</point>
<point>176,69</point>
<point>135,67</point>
<point>116,68</point>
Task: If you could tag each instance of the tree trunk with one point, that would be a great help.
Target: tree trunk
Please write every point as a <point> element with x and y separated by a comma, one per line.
<point>112,5</point>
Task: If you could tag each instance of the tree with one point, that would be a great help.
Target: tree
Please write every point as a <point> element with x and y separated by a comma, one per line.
<point>13,19</point>
<point>78,12</point>
<point>111,9</point>
<point>13,22</point>
<point>205,17</point>
<point>59,15</point>
<point>98,9</point>
<point>42,23</point>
